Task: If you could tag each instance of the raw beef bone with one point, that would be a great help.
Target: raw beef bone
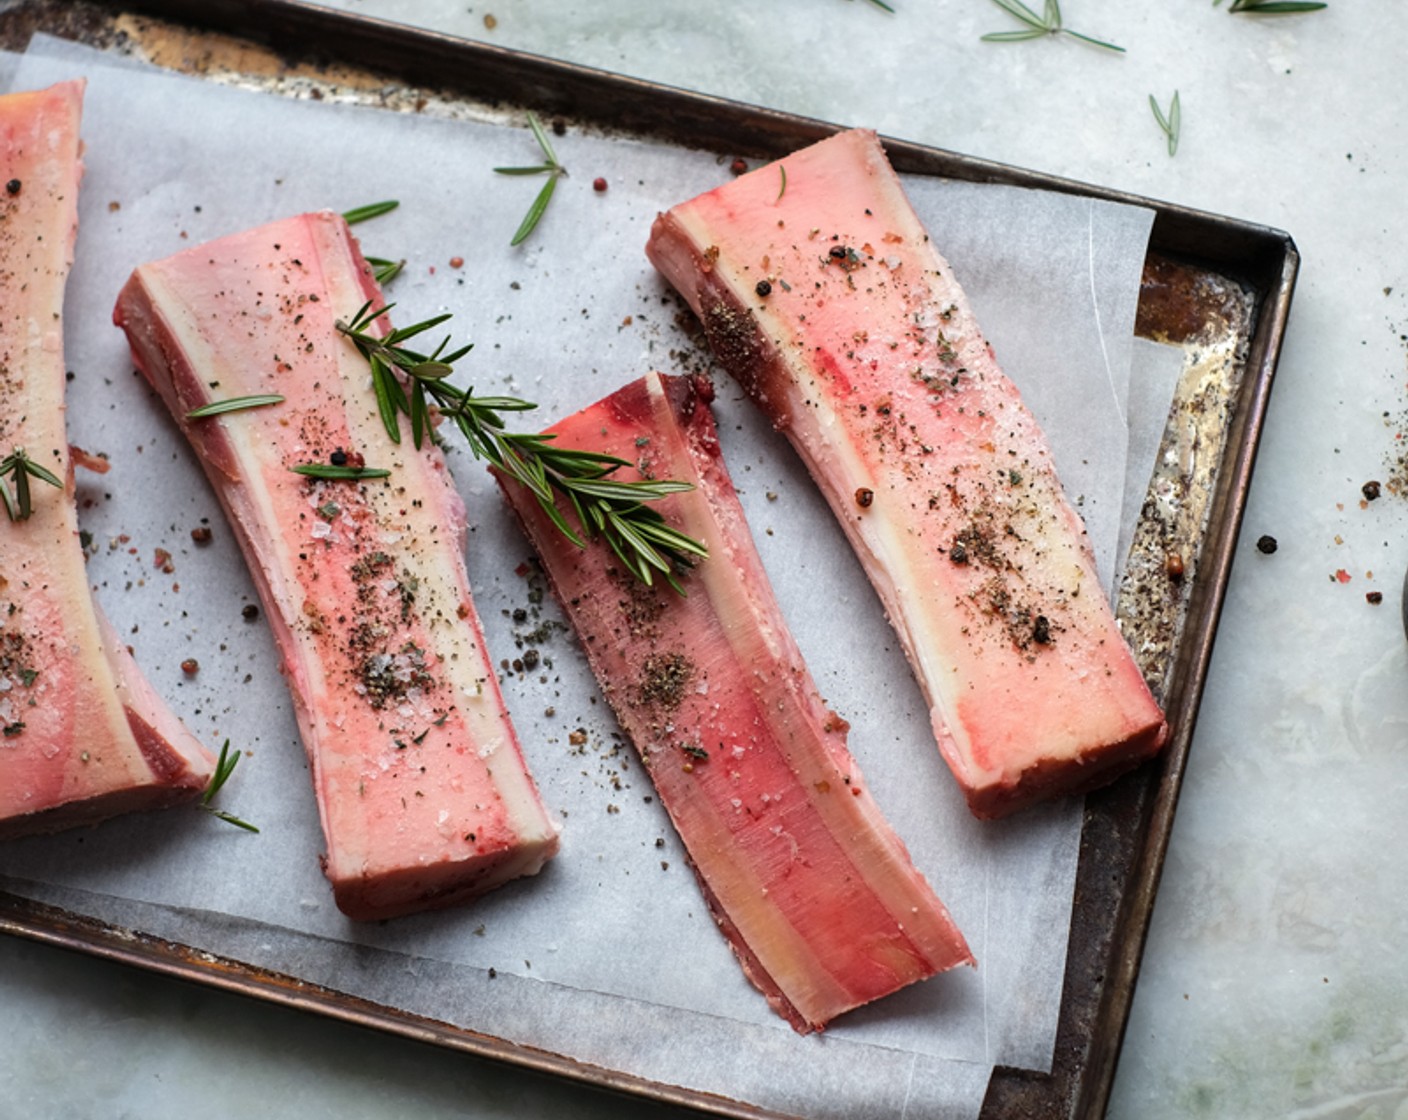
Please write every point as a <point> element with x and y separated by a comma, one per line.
<point>820,292</point>
<point>424,796</point>
<point>813,889</point>
<point>84,735</point>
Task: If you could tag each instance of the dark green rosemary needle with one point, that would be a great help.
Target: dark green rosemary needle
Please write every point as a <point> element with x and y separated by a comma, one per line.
<point>234,404</point>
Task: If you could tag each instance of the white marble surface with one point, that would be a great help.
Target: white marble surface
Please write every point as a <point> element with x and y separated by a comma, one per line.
<point>1275,982</point>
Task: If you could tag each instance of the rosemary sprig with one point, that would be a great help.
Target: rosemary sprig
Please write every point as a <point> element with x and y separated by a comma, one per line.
<point>371,210</point>
<point>18,464</point>
<point>1272,7</point>
<point>407,382</point>
<point>1170,124</point>
<point>234,404</point>
<point>224,767</point>
<point>1048,23</point>
<point>549,167</point>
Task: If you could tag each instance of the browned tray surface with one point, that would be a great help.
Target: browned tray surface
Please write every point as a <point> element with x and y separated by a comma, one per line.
<point>1221,288</point>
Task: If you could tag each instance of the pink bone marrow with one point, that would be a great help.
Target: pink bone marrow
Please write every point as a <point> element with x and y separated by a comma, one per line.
<point>421,785</point>
<point>813,889</point>
<point>84,735</point>
<point>827,302</point>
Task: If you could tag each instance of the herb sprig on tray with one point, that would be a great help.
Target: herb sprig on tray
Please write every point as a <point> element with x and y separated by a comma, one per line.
<point>19,466</point>
<point>550,167</point>
<point>1048,23</point>
<point>224,767</point>
<point>407,382</point>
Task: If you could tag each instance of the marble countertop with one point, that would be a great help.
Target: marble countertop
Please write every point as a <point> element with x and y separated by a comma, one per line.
<point>1274,982</point>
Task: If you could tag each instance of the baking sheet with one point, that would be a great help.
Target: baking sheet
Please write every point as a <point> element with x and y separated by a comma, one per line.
<point>786,489</point>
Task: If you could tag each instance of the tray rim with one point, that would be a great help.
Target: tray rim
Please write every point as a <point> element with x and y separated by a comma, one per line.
<point>1264,258</point>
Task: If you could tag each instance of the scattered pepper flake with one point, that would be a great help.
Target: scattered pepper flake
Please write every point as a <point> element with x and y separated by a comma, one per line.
<point>1374,597</point>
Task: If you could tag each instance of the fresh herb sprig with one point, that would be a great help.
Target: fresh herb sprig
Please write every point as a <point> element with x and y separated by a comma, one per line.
<point>224,767</point>
<point>407,382</point>
<point>1172,123</point>
<point>1273,7</point>
<point>22,468</point>
<point>550,167</point>
<point>1048,23</point>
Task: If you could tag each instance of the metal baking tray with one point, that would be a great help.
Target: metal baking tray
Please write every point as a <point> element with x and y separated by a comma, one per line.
<point>1217,287</point>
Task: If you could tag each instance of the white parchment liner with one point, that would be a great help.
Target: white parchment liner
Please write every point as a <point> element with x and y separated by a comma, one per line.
<point>607,956</point>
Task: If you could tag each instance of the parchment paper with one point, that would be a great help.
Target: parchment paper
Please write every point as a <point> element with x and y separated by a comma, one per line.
<point>609,955</point>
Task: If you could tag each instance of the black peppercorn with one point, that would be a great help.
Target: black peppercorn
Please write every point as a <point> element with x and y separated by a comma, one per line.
<point>763,288</point>
<point>338,458</point>
<point>13,186</point>
<point>1041,630</point>
<point>838,251</point>
<point>1266,544</point>
<point>958,553</point>
<point>1371,490</point>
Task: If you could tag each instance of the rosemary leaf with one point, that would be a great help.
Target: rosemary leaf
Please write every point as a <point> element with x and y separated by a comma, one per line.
<point>1275,7</point>
<point>541,137</point>
<point>782,186</point>
<point>1023,13</point>
<point>1092,41</point>
<point>1011,36</point>
<point>535,212</point>
<point>371,210</point>
<point>335,474</point>
<point>234,404</point>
